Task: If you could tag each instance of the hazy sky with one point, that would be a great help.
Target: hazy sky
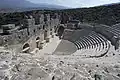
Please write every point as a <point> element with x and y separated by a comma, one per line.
<point>76,3</point>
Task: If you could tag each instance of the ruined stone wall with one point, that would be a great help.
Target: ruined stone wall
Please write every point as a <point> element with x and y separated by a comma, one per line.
<point>43,31</point>
<point>34,35</point>
<point>17,37</point>
<point>42,19</point>
<point>21,36</point>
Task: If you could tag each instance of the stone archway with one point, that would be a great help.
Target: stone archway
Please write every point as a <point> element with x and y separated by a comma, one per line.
<point>26,48</point>
<point>45,34</point>
<point>37,42</point>
<point>60,31</point>
<point>55,29</point>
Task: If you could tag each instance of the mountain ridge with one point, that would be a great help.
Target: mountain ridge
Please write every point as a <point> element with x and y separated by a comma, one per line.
<point>25,4</point>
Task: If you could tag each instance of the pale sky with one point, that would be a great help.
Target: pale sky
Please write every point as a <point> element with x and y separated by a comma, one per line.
<point>76,3</point>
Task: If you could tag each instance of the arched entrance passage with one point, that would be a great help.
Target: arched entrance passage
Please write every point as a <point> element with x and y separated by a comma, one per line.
<point>45,34</point>
<point>60,31</point>
<point>26,48</point>
<point>37,42</point>
<point>55,29</point>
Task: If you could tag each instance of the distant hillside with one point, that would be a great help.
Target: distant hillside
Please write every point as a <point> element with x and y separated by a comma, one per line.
<point>105,14</point>
<point>24,4</point>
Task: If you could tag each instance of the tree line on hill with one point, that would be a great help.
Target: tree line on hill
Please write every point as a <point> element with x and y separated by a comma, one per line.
<point>106,14</point>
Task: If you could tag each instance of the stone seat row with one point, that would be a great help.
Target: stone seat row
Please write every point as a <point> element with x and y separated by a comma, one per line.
<point>92,44</point>
<point>112,33</point>
<point>113,30</point>
<point>77,34</point>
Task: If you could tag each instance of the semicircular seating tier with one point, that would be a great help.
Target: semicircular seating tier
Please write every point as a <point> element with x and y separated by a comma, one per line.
<point>115,29</point>
<point>112,33</point>
<point>88,42</point>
